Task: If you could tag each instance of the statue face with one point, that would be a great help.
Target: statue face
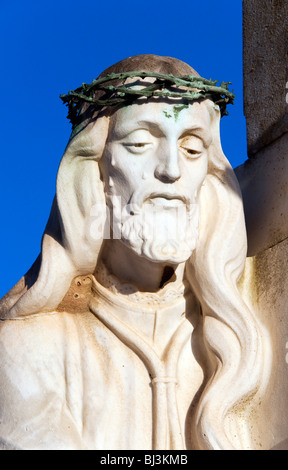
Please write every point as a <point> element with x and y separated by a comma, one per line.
<point>154,163</point>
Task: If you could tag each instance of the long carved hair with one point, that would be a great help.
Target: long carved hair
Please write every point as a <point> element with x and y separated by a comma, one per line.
<point>234,353</point>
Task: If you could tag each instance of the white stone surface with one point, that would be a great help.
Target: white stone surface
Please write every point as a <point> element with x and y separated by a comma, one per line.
<point>265,288</point>
<point>263,181</point>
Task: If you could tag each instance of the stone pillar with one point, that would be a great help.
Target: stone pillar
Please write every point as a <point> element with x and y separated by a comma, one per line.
<point>265,64</point>
<point>263,180</point>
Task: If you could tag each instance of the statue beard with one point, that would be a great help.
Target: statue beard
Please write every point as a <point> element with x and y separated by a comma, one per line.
<point>159,233</point>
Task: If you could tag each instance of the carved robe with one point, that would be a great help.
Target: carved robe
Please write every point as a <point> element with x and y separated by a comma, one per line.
<point>121,375</point>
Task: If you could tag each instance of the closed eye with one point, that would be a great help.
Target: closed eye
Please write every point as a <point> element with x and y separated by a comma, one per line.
<point>136,144</point>
<point>191,152</point>
<point>139,144</point>
<point>137,147</point>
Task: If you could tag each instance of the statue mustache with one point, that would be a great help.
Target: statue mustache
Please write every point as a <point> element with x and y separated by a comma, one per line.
<point>139,198</point>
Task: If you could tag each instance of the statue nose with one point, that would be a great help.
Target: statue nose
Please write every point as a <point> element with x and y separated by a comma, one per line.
<point>168,169</point>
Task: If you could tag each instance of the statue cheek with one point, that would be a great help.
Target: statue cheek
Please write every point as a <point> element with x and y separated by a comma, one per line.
<point>195,174</point>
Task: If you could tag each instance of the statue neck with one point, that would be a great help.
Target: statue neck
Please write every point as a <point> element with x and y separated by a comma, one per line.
<point>129,267</point>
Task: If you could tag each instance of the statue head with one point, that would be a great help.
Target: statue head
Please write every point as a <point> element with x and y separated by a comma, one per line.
<point>159,114</point>
<point>156,161</point>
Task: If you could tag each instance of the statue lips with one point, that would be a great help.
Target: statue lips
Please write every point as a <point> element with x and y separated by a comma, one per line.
<point>167,199</point>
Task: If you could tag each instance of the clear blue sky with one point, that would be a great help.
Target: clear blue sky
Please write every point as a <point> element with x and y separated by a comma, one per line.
<point>51,47</point>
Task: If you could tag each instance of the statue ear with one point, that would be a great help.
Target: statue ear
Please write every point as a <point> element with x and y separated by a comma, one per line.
<point>70,244</point>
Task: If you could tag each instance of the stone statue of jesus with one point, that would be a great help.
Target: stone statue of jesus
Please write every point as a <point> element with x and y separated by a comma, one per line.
<point>129,331</point>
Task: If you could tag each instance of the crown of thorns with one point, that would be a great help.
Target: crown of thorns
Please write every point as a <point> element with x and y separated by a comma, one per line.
<point>195,88</point>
